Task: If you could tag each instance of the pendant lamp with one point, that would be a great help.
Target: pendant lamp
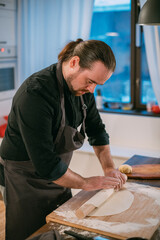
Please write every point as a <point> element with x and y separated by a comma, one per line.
<point>150,13</point>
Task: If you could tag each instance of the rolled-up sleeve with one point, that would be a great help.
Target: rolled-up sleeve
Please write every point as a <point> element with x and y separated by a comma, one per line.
<point>95,128</point>
<point>35,121</point>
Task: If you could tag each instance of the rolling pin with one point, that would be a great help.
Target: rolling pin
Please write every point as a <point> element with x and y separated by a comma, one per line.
<point>93,203</point>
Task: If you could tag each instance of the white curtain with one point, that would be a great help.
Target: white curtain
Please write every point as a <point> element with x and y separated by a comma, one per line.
<point>152,45</point>
<point>45,27</point>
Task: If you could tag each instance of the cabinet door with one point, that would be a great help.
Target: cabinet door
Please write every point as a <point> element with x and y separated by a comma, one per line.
<point>8,4</point>
<point>7,28</point>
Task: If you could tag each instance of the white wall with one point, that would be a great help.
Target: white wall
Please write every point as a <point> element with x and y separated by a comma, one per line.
<point>133,134</point>
<point>5,107</point>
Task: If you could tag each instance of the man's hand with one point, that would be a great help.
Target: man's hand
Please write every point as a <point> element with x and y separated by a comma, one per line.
<point>104,156</point>
<point>101,182</point>
<point>114,173</point>
<point>73,180</point>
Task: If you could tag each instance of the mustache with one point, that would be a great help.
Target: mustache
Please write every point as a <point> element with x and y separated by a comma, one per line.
<point>86,91</point>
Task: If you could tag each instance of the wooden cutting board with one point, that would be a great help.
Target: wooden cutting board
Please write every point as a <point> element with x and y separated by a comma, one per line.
<point>140,220</point>
<point>145,171</point>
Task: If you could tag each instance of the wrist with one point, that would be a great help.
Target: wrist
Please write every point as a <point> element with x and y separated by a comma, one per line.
<point>84,183</point>
<point>109,168</point>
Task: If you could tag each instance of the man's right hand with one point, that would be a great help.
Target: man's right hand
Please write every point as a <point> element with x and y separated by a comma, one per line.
<point>100,182</point>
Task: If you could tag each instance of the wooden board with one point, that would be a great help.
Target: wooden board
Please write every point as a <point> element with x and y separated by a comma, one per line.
<point>140,220</point>
<point>139,159</point>
<point>145,171</point>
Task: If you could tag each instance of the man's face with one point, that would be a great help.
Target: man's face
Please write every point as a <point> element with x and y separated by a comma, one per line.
<point>81,81</point>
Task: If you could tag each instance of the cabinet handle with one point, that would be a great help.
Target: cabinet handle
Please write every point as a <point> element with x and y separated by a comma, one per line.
<point>2,5</point>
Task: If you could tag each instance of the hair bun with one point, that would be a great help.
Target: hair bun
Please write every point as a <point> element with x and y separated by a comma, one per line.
<point>79,40</point>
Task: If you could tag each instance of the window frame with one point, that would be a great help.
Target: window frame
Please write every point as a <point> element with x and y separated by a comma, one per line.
<point>135,59</point>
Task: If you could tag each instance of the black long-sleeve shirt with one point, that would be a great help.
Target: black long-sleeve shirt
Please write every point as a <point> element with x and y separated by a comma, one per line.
<point>35,118</point>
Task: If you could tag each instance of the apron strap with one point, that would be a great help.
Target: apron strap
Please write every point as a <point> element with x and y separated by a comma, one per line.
<point>60,86</point>
<point>84,108</point>
<point>2,161</point>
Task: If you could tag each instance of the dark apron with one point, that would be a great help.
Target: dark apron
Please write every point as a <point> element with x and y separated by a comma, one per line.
<point>29,198</point>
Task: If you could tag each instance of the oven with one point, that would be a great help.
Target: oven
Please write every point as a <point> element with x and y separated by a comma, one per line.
<point>8,53</point>
<point>8,78</point>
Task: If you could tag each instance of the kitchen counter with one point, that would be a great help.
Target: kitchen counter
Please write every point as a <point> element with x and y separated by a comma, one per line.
<point>61,228</point>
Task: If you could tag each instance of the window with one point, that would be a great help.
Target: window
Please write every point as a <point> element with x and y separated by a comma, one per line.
<point>115,22</point>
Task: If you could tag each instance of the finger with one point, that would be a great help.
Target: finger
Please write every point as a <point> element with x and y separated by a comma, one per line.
<point>122,177</point>
<point>117,187</point>
<point>125,177</point>
<point>122,181</point>
<point>110,182</point>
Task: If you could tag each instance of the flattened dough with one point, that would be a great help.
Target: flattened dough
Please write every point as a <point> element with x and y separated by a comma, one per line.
<point>117,203</point>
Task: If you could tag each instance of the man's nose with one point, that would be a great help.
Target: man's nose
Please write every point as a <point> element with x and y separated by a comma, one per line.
<point>91,88</point>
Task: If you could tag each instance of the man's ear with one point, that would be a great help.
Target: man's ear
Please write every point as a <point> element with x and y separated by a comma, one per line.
<point>74,62</point>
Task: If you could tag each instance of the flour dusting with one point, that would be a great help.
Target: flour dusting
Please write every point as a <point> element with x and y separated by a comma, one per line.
<point>153,221</point>
<point>146,190</point>
<point>61,229</point>
<point>66,214</point>
<point>115,227</point>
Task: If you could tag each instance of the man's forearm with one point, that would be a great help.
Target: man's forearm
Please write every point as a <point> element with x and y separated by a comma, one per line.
<point>104,155</point>
<point>73,180</point>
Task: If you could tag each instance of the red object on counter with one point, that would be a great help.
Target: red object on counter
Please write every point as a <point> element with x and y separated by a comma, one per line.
<point>3,125</point>
<point>155,109</point>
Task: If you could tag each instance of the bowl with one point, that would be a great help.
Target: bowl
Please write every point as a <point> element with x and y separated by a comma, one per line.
<point>155,109</point>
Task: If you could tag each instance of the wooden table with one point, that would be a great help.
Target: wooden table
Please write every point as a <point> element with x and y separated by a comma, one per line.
<point>135,160</point>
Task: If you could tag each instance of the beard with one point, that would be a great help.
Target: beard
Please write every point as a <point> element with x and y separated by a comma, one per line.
<point>69,80</point>
<point>69,83</point>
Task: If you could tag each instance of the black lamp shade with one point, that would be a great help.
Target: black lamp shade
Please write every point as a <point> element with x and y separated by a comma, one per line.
<point>150,13</point>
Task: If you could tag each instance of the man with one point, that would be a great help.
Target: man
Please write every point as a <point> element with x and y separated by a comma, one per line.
<point>42,134</point>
